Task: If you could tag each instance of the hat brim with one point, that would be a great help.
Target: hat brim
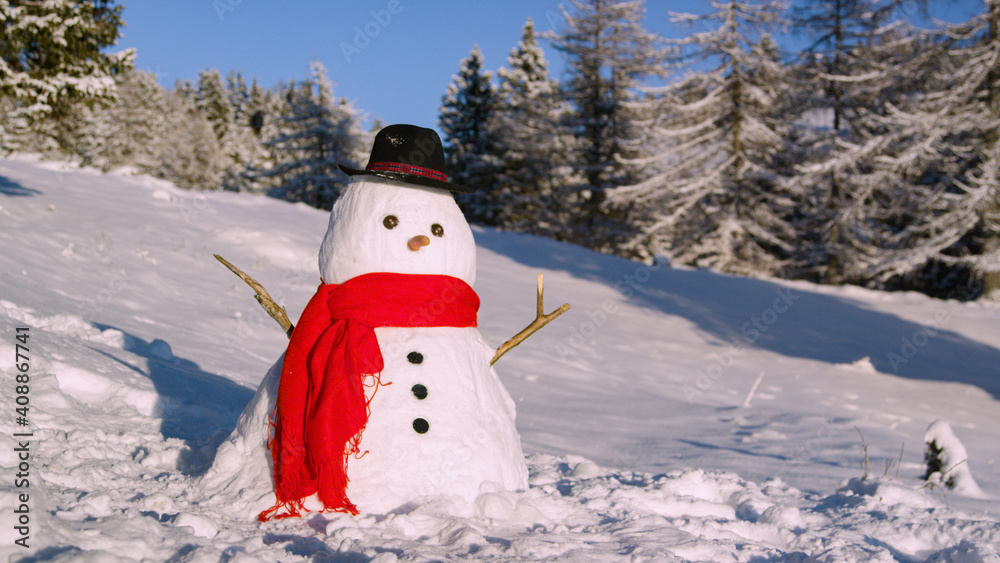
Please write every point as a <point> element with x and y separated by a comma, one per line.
<point>407,179</point>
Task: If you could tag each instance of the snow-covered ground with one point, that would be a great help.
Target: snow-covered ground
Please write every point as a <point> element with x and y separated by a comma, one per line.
<point>644,441</point>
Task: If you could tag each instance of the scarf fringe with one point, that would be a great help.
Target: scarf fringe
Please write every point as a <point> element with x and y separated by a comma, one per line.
<point>334,498</point>
<point>294,509</point>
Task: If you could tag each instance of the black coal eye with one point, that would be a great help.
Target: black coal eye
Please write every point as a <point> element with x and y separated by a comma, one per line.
<point>437,230</point>
<point>390,221</point>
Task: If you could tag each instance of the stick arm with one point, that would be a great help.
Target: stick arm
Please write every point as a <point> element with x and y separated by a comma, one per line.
<point>276,311</point>
<point>541,319</point>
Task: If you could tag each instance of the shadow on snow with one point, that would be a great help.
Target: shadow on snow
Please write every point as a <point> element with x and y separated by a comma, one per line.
<point>197,407</point>
<point>786,320</point>
<point>11,188</point>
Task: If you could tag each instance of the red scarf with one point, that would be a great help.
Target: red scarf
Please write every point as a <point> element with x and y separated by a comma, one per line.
<point>321,409</point>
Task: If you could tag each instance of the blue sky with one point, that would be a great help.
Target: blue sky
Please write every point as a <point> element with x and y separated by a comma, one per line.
<point>398,73</point>
<point>393,58</point>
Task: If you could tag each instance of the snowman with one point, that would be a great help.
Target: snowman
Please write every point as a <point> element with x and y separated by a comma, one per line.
<point>386,394</point>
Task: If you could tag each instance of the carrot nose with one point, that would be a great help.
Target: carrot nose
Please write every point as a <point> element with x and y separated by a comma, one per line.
<point>418,242</point>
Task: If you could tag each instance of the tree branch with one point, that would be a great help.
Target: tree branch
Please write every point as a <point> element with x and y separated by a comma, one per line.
<point>276,311</point>
<point>541,319</point>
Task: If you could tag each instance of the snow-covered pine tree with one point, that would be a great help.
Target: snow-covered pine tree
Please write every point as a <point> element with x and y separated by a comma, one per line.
<point>278,109</point>
<point>713,139</point>
<point>258,107</point>
<point>184,89</point>
<point>316,133</point>
<point>239,94</point>
<point>469,148</point>
<point>242,142</point>
<point>212,99</point>
<point>129,131</point>
<point>533,143</point>
<point>934,185</point>
<point>837,31</point>
<point>947,461</point>
<point>52,56</point>
<point>608,54</point>
<point>263,115</point>
<point>862,56</point>
<point>189,153</point>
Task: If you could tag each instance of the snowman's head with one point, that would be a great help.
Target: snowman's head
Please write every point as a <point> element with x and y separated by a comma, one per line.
<point>380,225</point>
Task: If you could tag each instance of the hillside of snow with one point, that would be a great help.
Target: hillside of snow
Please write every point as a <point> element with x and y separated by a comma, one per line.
<point>670,415</point>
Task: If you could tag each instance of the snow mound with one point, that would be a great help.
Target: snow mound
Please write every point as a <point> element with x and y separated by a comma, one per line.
<point>863,365</point>
<point>68,324</point>
<point>948,461</point>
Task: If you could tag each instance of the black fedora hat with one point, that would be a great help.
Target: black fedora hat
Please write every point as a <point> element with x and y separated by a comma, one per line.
<point>410,154</point>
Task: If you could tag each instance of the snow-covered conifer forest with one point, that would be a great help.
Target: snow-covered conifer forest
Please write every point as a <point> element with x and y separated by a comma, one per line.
<point>867,157</point>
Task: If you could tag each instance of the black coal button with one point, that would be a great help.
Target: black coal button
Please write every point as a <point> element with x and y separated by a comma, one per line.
<point>421,426</point>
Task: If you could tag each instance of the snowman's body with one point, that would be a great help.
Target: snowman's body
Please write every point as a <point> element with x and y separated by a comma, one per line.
<point>443,426</point>
<point>441,422</point>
